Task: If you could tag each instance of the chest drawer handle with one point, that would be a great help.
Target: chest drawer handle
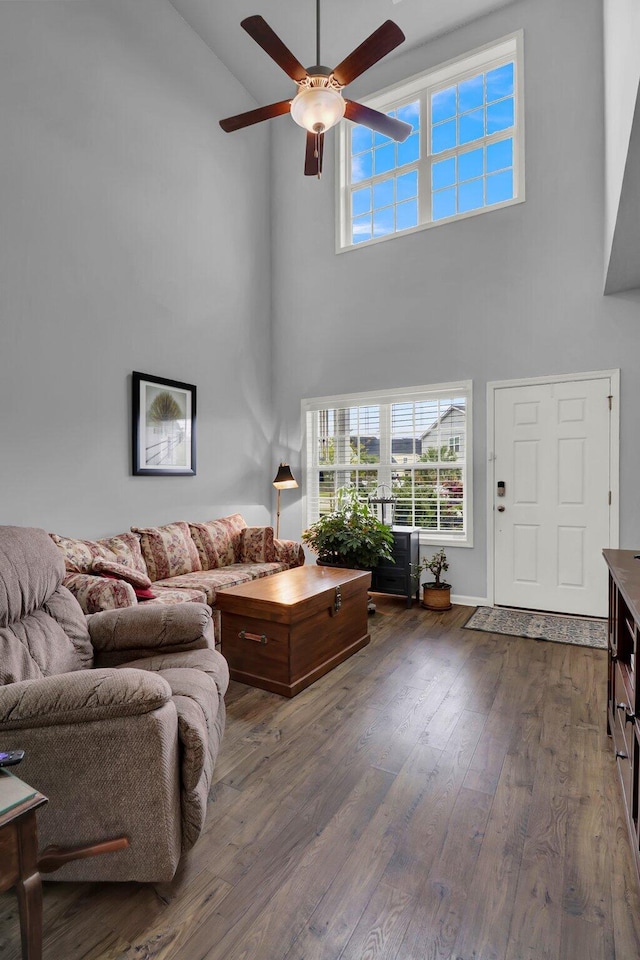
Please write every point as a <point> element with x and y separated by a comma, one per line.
<point>258,637</point>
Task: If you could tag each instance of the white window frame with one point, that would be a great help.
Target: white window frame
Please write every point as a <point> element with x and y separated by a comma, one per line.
<point>421,86</point>
<point>402,395</point>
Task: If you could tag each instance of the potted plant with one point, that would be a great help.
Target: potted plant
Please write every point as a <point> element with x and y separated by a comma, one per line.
<point>436,595</point>
<point>351,536</point>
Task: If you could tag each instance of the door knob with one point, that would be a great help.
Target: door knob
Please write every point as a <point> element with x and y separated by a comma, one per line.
<point>500,509</point>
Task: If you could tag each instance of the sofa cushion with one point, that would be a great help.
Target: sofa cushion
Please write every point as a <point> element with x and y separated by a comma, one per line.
<point>219,542</point>
<point>258,545</point>
<point>168,551</point>
<point>210,581</point>
<point>164,594</point>
<point>80,554</point>
<point>121,571</point>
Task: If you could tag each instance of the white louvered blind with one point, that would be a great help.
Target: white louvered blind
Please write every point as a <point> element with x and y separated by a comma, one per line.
<point>415,441</point>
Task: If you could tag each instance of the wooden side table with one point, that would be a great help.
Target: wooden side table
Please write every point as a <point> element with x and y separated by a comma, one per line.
<point>19,857</point>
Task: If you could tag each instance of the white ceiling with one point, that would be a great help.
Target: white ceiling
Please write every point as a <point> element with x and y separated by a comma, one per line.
<point>344,25</point>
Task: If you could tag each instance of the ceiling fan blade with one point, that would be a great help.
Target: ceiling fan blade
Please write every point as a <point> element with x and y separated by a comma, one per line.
<point>260,31</point>
<point>255,116</point>
<point>313,155</point>
<point>381,42</point>
<point>380,122</point>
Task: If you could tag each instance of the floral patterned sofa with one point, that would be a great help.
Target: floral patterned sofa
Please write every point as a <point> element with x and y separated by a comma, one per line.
<point>173,563</point>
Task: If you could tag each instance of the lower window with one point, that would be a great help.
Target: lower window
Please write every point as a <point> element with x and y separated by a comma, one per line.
<point>409,445</point>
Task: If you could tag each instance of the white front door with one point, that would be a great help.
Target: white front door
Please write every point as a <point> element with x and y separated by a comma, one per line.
<point>552,453</point>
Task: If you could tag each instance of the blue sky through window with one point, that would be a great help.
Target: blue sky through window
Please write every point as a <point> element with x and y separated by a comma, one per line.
<point>460,157</point>
<point>462,114</point>
<point>388,204</point>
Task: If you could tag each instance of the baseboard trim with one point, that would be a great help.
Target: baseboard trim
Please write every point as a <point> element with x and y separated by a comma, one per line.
<point>470,601</point>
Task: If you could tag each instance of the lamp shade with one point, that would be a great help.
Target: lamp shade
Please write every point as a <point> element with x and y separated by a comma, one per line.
<point>284,479</point>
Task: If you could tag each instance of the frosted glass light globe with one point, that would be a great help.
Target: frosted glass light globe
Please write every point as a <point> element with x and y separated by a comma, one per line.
<point>318,108</point>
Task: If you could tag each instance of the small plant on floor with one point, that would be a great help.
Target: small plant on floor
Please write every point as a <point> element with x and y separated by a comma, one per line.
<point>436,595</point>
<point>437,565</point>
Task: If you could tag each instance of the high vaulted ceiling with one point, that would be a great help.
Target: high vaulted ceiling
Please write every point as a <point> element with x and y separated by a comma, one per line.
<point>344,25</point>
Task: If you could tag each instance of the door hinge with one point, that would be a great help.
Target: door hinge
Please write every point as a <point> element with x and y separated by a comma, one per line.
<point>610,398</point>
<point>609,497</point>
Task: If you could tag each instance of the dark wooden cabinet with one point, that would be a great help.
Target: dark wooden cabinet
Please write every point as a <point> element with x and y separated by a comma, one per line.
<point>623,689</point>
<point>400,577</point>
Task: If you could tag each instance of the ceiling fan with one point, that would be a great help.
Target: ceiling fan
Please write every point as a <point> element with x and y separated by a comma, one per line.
<point>319,103</point>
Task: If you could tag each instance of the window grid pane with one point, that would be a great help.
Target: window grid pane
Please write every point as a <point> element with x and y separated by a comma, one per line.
<point>482,177</point>
<point>417,447</point>
<point>392,199</point>
<point>464,151</point>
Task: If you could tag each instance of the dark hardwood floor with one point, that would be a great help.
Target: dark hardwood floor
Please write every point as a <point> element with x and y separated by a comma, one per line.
<point>442,794</point>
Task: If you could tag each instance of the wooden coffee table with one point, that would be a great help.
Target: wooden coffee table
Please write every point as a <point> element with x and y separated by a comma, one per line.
<point>281,633</point>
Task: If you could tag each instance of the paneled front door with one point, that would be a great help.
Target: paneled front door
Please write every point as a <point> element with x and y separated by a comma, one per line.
<point>552,495</point>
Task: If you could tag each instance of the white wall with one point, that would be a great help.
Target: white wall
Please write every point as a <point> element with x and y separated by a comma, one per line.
<point>508,294</point>
<point>621,25</point>
<point>134,236</point>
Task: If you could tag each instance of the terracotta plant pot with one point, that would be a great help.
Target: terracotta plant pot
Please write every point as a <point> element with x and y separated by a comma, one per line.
<point>436,598</point>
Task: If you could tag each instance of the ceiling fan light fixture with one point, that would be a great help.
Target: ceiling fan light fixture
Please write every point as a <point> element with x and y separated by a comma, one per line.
<point>319,104</point>
<point>318,108</point>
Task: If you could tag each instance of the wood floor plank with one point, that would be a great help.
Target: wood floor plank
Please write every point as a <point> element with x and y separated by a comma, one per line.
<point>582,940</point>
<point>278,924</point>
<point>587,891</point>
<point>485,926</point>
<point>382,926</point>
<point>536,922</point>
<point>165,933</point>
<point>440,905</point>
<point>444,794</point>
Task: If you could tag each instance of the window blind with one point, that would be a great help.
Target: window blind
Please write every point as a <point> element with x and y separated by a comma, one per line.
<point>414,442</point>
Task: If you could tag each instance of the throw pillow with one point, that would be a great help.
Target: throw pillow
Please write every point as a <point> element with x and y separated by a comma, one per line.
<point>144,594</point>
<point>257,545</point>
<point>168,551</point>
<point>121,571</point>
<point>219,542</point>
<point>80,554</point>
<point>140,592</point>
<point>126,547</point>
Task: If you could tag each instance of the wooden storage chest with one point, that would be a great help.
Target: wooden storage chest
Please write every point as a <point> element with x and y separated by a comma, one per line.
<point>281,633</point>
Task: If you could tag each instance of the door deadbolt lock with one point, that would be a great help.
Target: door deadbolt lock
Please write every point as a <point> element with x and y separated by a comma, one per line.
<point>501,487</point>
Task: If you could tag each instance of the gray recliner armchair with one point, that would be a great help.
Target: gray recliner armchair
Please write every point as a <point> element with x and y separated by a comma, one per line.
<point>120,714</point>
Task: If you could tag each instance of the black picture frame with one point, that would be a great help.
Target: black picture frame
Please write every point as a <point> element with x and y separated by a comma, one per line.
<point>163,425</point>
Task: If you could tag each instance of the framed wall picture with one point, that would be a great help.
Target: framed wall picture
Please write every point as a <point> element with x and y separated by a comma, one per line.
<point>163,427</point>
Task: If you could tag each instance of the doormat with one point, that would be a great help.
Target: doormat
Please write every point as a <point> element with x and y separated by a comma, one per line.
<point>540,626</point>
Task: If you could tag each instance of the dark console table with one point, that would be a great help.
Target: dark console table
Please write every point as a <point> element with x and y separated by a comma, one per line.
<point>402,576</point>
<point>623,687</point>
